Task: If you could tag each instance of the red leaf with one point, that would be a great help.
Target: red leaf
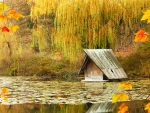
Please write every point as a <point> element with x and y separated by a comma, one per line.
<point>5,29</point>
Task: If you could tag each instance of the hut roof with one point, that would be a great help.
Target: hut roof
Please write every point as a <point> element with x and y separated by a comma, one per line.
<point>106,62</point>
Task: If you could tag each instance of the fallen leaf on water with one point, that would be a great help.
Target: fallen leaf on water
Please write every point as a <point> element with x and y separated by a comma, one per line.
<point>125,86</point>
<point>119,97</point>
<point>4,90</point>
<point>4,98</point>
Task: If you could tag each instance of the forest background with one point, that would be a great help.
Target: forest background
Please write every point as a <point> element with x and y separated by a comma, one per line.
<point>53,33</point>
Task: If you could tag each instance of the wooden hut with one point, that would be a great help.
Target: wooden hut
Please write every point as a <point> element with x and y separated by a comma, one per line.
<point>101,65</point>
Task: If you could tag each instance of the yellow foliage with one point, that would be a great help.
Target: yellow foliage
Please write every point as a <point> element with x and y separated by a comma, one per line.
<point>119,97</point>
<point>125,86</point>
<point>123,108</point>
<point>92,21</point>
<point>146,16</point>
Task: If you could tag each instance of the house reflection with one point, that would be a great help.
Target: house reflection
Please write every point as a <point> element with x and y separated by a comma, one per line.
<point>94,88</point>
<point>136,106</point>
<point>43,108</point>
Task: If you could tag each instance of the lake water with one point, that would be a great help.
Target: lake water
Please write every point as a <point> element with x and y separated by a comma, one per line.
<point>31,95</point>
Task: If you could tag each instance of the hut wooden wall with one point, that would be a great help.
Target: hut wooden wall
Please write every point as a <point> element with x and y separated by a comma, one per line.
<point>91,70</point>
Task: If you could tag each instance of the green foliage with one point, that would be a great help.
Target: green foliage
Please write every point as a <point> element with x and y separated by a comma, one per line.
<point>41,39</point>
<point>42,65</point>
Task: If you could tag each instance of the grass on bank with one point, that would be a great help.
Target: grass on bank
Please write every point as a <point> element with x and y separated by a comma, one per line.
<point>135,65</point>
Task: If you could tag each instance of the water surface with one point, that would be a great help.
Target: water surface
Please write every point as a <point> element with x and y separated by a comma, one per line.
<point>29,93</point>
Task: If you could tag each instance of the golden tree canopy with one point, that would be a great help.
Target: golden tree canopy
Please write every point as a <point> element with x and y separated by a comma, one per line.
<point>88,23</point>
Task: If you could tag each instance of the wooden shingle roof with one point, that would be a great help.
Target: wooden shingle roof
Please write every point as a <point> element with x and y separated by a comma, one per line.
<point>106,62</point>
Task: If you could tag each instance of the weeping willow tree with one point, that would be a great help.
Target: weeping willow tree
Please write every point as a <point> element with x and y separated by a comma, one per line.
<point>89,23</point>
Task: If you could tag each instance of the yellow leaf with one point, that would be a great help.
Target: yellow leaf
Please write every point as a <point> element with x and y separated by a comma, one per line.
<point>3,7</point>
<point>146,16</point>
<point>125,86</point>
<point>123,108</point>
<point>147,107</point>
<point>4,98</point>
<point>14,28</point>
<point>119,97</point>
<point>4,91</point>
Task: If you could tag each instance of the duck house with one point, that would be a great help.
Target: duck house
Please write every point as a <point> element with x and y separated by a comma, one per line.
<point>101,65</point>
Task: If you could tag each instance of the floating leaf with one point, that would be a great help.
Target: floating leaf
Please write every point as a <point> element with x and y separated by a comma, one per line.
<point>2,18</point>
<point>146,16</point>
<point>4,98</point>
<point>14,14</point>
<point>14,28</point>
<point>141,35</point>
<point>123,108</point>
<point>5,29</point>
<point>4,90</point>
<point>119,97</point>
<point>125,86</point>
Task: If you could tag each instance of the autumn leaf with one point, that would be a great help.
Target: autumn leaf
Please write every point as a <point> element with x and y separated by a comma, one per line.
<point>146,16</point>
<point>147,107</point>
<point>3,7</point>
<point>141,35</point>
<point>4,98</point>
<point>123,108</point>
<point>5,29</point>
<point>14,14</point>
<point>4,91</point>
<point>125,86</point>
<point>14,28</point>
<point>2,18</point>
<point>119,97</point>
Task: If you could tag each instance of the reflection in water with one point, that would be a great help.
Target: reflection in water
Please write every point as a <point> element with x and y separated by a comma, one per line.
<point>43,108</point>
<point>26,96</point>
<point>136,106</point>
